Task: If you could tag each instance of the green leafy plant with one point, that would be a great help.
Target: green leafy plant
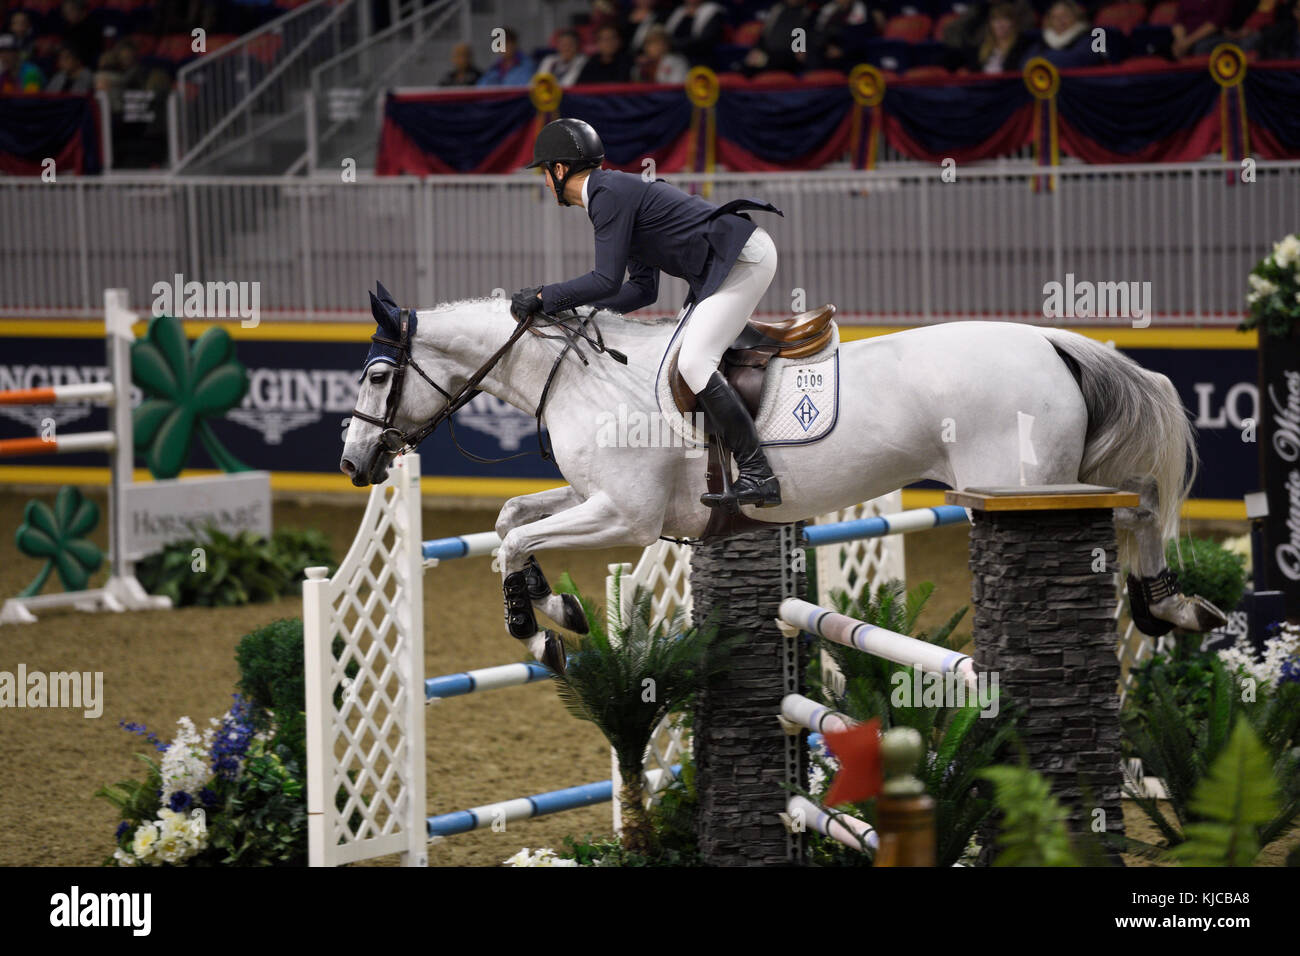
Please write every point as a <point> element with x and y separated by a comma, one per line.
<point>1033,831</point>
<point>1274,297</point>
<point>627,682</point>
<point>58,536</point>
<point>1236,798</point>
<point>1180,748</point>
<point>1188,675</point>
<point>960,742</point>
<point>184,386</point>
<point>242,785</point>
<point>237,569</point>
<point>1207,568</point>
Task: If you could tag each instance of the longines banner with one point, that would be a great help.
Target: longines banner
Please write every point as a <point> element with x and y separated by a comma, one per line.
<point>303,383</point>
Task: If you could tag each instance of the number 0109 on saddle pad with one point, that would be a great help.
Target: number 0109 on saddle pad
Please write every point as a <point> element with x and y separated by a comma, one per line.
<point>797,402</point>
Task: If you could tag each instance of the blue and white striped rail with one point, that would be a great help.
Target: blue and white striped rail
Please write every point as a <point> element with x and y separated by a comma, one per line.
<point>892,646</point>
<point>459,546</point>
<point>848,830</point>
<point>486,678</point>
<point>919,519</point>
<point>524,808</point>
<point>801,711</point>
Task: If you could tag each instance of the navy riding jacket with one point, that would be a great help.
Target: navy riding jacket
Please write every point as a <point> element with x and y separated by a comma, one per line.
<point>643,228</point>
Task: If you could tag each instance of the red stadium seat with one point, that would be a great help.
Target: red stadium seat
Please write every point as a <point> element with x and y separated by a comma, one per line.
<point>912,27</point>
<point>265,48</point>
<point>1258,20</point>
<point>217,41</point>
<point>1121,16</point>
<point>942,23</point>
<point>175,48</point>
<point>926,71</point>
<point>775,76</point>
<point>747,34</point>
<point>1163,14</point>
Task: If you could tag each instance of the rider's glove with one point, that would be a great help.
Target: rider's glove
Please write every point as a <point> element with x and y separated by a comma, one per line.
<point>525,302</point>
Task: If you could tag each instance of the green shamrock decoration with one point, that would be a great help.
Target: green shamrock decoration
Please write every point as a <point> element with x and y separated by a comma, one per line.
<point>184,386</point>
<point>58,536</point>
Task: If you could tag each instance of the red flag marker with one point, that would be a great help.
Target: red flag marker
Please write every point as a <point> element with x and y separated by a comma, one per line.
<point>858,751</point>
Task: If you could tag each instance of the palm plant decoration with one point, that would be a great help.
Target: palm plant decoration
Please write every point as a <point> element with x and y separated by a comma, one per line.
<point>959,742</point>
<point>628,681</point>
<point>184,386</point>
<point>1182,749</point>
<point>58,536</point>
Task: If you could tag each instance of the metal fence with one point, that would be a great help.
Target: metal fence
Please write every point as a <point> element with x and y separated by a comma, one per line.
<point>887,246</point>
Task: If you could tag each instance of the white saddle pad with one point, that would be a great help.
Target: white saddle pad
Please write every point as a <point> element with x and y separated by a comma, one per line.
<point>799,402</point>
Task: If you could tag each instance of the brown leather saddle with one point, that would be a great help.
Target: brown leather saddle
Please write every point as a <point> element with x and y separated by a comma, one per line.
<point>744,364</point>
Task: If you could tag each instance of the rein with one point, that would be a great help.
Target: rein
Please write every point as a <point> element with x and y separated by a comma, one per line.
<point>395,440</point>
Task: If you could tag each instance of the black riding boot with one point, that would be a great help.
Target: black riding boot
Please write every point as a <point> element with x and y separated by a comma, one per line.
<point>732,425</point>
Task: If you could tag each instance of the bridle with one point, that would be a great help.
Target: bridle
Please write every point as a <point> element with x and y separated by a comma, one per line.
<point>394,440</point>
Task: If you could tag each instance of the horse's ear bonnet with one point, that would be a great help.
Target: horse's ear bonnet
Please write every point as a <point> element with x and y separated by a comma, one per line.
<point>388,317</point>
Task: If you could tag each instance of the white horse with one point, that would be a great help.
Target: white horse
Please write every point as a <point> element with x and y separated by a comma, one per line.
<point>938,403</point>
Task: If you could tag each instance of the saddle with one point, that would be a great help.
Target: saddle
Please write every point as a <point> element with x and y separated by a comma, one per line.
<point>744,364</point>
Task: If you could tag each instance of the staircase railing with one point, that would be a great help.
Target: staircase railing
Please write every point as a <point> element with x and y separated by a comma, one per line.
<point>345,88</point>
<point>235,93</point>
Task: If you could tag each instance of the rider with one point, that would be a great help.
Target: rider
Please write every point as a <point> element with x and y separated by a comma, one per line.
<point>648,226</point>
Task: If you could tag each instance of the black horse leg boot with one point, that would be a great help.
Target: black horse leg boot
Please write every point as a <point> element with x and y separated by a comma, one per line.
<point>755,485</point>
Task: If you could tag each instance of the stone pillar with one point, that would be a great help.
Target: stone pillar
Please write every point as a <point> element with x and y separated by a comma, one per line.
<point>1044,607</point>
<point>741,753</point>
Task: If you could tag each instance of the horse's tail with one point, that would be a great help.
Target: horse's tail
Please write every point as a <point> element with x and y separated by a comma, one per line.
<point>1137,429</point>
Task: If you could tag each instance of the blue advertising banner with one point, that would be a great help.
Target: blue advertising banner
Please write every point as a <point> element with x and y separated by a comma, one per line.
<point>303,383</point>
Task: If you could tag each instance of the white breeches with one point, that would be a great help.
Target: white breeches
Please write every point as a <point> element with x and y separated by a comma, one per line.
<point>719,318</point>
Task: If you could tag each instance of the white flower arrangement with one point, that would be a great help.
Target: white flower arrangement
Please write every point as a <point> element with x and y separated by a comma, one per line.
<point>1274,296</point>
<point>185,765</point>
<point>544,856</point>
<point>1241,657</point>
<point>172,838</point>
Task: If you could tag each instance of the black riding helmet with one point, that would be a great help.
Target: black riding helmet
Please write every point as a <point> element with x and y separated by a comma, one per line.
<point>568,141</point>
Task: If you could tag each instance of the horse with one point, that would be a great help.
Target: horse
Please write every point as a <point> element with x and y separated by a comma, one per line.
<point>938,402</point>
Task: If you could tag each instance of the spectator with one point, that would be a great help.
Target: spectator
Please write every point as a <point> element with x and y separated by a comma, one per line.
<point>72,75</point>
<point>17,76</point>
<point>80,34</point>
<point>1280,40</point>
<point>609,64</point>
<point>776,46</point>
<point>463,72</point>
<point>657,63</point>
<point>964,34</point>
<point>1199,26</point>
<point>640,19</point>
<point>1003,46</point>
<point>512,67</point>
<point>1066,40</point>
<point>695,28</point>
<point>120,71</point>
<point>566,63</point>
<point>831,26</point>
<point>605,13</point>
<point>20,28</point>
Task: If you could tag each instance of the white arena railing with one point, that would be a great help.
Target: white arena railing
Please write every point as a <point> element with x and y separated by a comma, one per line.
<point>888,246</point>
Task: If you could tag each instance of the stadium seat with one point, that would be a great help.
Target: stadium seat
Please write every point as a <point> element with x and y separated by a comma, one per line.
<point>265,48</point>
<point>912,28</point>
<point>219,40</point>
<point>1162,15</point>
<point>747,34</point>
<point>893,55</point>
<point>1147,62</point>
<point>942,22</point>
<point>1121,16</point>
<point>174,48</point>
<point>923,71</point>
<point>1258,20</point>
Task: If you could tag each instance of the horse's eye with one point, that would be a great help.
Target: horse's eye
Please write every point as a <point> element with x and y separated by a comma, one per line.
<point>377,378</point>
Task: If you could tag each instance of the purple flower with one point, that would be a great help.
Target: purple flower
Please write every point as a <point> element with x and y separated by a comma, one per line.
<point>180,801</point>
<point>143,731</point>
<point>232,739</point>
<point>123,829</point>
<point>208,797</point>
<point>1290,671</point>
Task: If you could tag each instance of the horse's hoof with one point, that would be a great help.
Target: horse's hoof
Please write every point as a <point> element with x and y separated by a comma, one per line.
<point>575,618</point>
<point>553,653</point>
<point>1189,612</point>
